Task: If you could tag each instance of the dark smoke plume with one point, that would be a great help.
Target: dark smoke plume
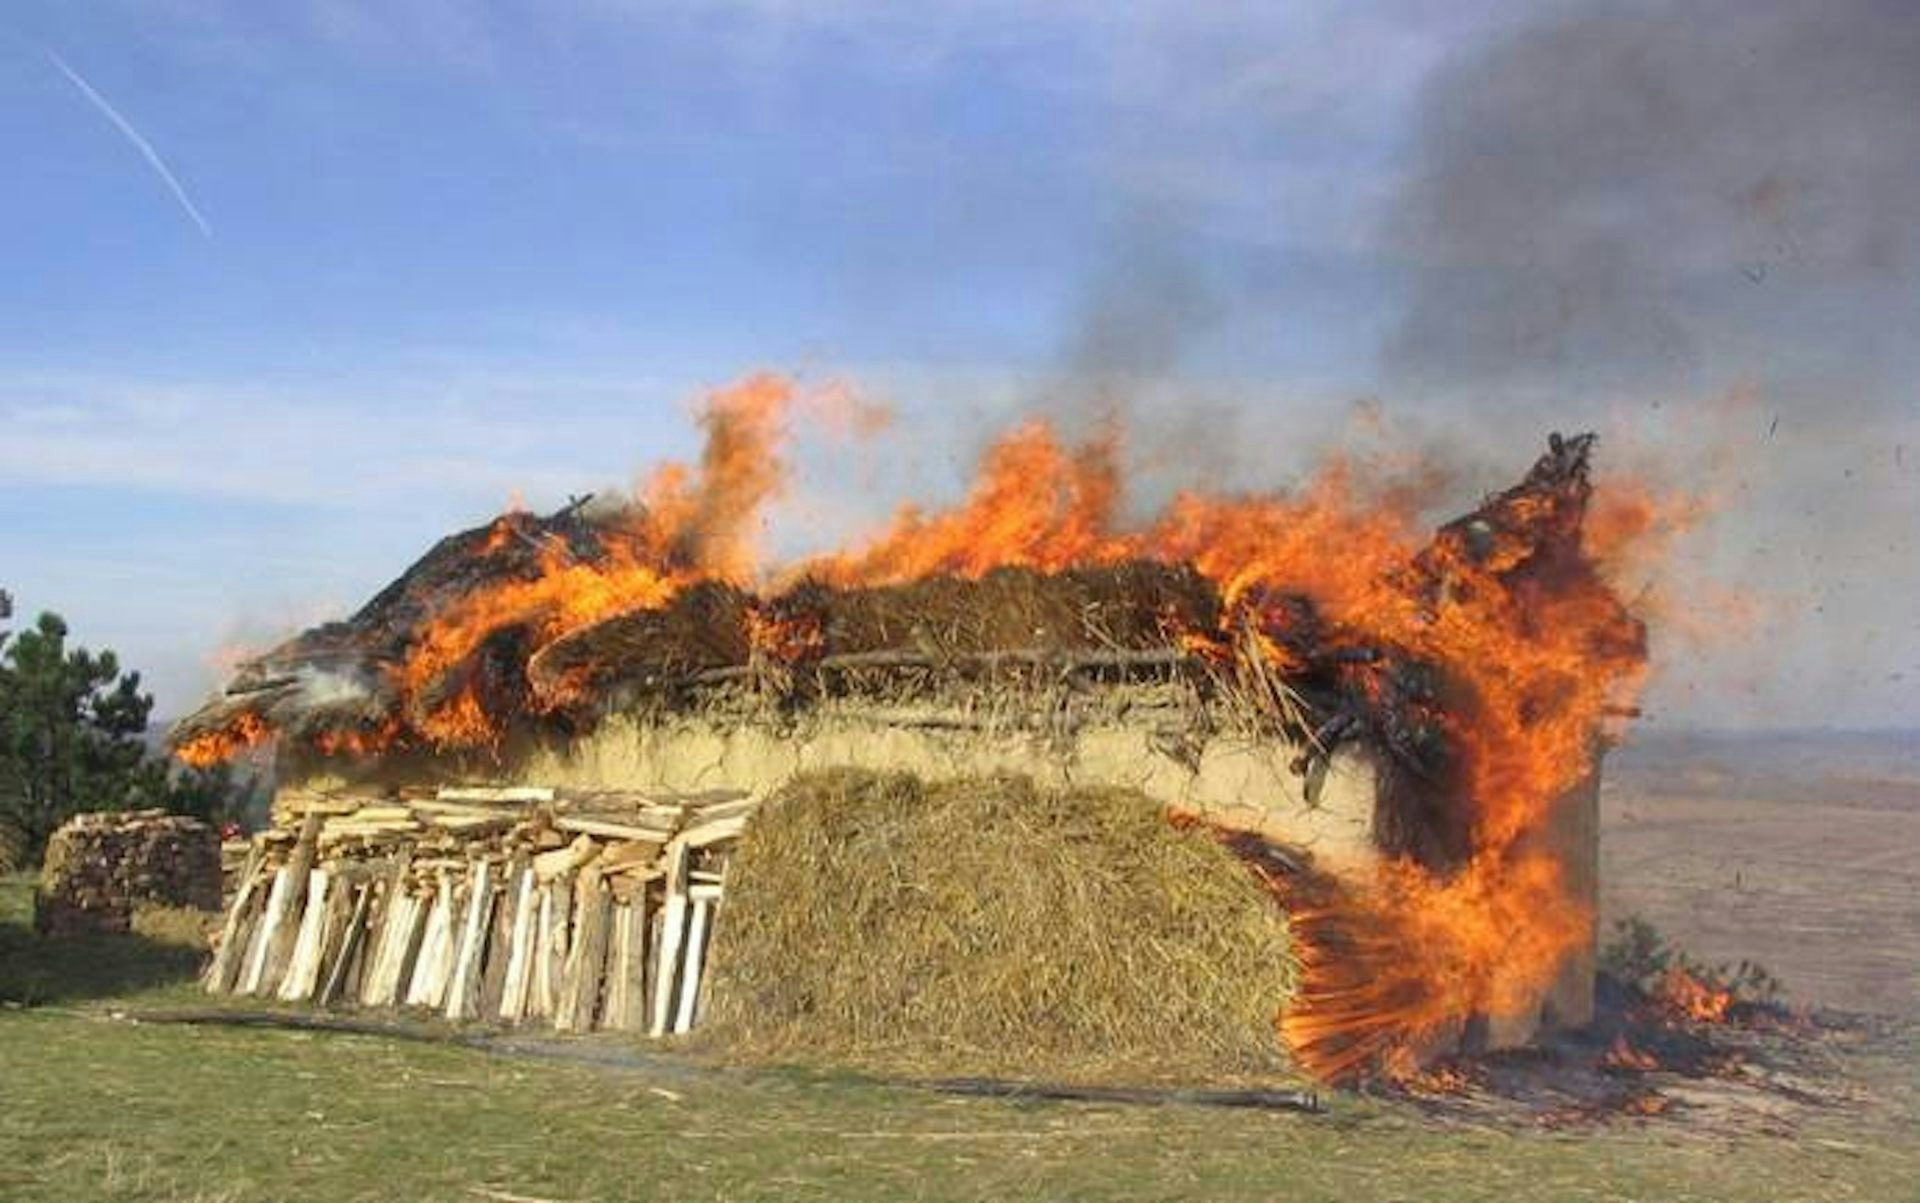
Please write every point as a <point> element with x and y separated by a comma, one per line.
<point>1644,196</point>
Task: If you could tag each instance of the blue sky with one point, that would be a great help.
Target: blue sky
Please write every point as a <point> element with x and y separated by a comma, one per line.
<point>460,252</point>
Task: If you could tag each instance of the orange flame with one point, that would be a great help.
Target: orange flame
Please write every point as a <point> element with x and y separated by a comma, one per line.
<point>690,527</point>
<point>1686,995</point>
<point>1536,655</point>
<point>209,748</point>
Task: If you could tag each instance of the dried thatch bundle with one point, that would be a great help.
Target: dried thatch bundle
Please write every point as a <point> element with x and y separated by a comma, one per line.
<point>1135,604</point>
<point>986,927</point>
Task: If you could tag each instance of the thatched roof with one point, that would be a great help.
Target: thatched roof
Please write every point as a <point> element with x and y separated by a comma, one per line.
<point>358,685</point>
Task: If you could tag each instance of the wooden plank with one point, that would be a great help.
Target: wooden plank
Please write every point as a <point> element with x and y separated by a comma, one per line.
<point>631,983</point>
<point>520,949</point>
<point>613,1012</point>
<point>586,957</point>
<point>695,964</point>
<point>382,917</point>
<point>300,864</point>
<point>409,928</point>
<point>429,986</point>
<point>610,829</point>
<point>673,926</point>
<point>493,976</point>
<point>706,891</point>
<point>742,808</point>
<point>353,939</point>
<point>552,969</point>
<point>714,832</point>
<point>303,967</point>
<point>496,793</point>
<point>463,986</point>
<point>263,937</point>
<point>225,967</point>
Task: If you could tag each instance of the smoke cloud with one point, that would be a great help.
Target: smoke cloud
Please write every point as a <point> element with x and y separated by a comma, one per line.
<point>1653,195</point>
<point>1638,207</point>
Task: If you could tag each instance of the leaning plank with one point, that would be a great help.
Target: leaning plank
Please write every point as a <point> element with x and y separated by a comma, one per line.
<point>382,956</point>
<point>263,936</point>
<point>690,975</point>
<point>493,976</point>
<point>226,964</point>
<point>558,930</point>
<point>673,920</point>
<point>586,957</point>
<point>353,940</point>
<point>409,932</point>
<point>520,950</point>
<point>279,953</point>
<point>632,981</point>
<point>429,985</point>
<point>304,968</point>
<point>613,1011</point>
<point>463,988</point>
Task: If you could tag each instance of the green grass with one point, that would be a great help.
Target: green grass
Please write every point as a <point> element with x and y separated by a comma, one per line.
<point>99,1108</point>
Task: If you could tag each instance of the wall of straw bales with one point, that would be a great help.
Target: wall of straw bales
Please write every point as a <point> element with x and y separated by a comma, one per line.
<point>988,926</point>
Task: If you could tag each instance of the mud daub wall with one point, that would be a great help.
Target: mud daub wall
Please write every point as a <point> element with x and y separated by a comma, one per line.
<point>1240,781</point>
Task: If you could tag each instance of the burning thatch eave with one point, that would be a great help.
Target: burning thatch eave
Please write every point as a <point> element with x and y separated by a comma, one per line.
<point>343,687</point>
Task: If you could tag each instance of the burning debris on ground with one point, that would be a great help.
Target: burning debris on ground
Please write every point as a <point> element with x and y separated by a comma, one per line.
<point>1474,671</point>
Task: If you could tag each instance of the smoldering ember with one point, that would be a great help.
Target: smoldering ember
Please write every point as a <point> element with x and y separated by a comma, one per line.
<point>511,783</point>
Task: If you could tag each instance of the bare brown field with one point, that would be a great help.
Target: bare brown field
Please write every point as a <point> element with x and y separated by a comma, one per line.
<point>1801,852</point>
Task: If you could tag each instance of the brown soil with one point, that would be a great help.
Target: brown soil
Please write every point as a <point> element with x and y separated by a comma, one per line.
<point>1799,852</point>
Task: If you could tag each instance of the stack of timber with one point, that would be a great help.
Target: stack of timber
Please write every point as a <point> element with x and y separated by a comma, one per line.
<point>100,866</point>
<point>574,909</point>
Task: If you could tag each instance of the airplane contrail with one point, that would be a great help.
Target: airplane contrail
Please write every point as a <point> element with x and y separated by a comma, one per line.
<point>140,143</point>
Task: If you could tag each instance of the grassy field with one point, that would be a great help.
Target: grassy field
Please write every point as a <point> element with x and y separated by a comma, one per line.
<point>102,1106</point>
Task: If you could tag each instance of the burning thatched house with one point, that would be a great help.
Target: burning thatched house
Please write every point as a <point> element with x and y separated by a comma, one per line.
<point>509,782</point>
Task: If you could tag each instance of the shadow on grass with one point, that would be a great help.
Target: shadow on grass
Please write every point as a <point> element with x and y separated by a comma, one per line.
<point>38,970</point>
